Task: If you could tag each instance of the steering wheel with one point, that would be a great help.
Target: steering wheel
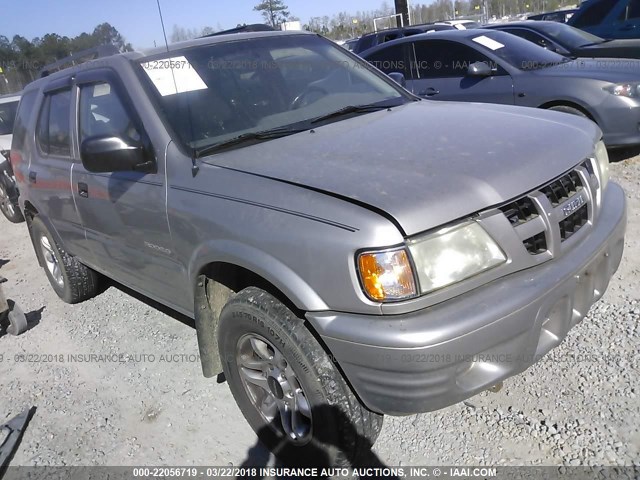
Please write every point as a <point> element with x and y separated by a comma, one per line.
<point>301,100</point>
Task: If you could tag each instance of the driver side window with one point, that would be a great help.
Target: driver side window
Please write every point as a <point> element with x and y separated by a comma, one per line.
<point>103,114</point>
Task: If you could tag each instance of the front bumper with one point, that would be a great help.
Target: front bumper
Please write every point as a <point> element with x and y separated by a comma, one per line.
<point>441,355</point>
<point>620,121</point>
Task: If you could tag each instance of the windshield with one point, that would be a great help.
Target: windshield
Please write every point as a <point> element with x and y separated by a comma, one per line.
<point>215,93</point>
<point>516,51</point>
<point>7,117</point>
<point>569,36</point>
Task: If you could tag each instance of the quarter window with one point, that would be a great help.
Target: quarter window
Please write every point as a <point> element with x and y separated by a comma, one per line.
<point>54,132</point>
<point>632,12</point>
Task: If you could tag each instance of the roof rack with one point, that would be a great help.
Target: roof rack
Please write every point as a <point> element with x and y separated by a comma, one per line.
<point>256,27</point>
<point>79,57</point>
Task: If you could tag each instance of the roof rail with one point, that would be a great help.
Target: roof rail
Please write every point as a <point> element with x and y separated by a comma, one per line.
<point>79,57</point>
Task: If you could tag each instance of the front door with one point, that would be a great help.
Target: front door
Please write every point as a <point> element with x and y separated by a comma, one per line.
<point>123,213</point>
<point>439,72</point>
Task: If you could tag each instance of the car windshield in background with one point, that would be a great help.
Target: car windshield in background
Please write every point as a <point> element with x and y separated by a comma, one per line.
<point>7,117</point>
<point>570,36</point>
<point>516,51</point>
<point>262,88</point>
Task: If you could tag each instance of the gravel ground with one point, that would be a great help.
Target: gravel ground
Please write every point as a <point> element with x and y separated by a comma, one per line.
<point>151,406</point>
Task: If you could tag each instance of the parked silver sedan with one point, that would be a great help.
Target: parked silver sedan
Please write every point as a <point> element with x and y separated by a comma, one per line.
<point>497,67</point>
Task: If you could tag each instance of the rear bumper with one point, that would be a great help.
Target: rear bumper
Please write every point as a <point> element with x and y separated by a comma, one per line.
<point>446,353</point>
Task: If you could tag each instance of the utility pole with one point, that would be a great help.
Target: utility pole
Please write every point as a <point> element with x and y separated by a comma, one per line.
<point>402,8</point>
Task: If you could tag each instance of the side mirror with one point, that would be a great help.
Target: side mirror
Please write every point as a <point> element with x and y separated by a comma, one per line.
<point>398,78</point>
<point>112,154</point>
<point>479,69</point>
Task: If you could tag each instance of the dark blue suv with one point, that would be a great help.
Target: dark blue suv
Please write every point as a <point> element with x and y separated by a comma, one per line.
<point>609,18</point>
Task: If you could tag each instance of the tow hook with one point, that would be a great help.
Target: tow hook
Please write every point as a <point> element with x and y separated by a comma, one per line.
<point>496,388</point>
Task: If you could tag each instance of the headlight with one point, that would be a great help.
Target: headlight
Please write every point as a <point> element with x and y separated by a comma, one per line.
<point>630,90</point>
<point>454,254</point>
<point>387,275</point>
<point>602,162</point>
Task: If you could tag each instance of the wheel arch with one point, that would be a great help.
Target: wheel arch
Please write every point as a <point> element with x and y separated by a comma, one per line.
<point>234,268</point>
<point>573,104</point>
<point>30,212</point>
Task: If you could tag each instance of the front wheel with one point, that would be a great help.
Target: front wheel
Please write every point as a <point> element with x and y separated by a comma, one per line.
<point>568,109</point>
<point>290,392</point>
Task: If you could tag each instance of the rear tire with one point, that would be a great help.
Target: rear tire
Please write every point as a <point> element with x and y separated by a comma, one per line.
<point>9,209</point>
<point>70,279</point>
<point>280,376</point>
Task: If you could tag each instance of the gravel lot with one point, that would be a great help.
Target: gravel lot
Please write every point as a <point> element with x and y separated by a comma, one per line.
<point>582,408</point>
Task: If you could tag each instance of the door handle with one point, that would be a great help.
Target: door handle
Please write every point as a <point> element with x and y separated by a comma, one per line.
<point>627,27</point>
<point>429,92</point>
<point>32,177</point>
<point>83,190</point>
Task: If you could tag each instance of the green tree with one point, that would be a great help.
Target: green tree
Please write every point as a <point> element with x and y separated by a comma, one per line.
<point>274,12</point>
<point>106,34</point>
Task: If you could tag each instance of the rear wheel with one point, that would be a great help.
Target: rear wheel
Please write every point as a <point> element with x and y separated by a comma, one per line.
<point>9,208</point>
<point>70,279</point>
<point>290,392</point>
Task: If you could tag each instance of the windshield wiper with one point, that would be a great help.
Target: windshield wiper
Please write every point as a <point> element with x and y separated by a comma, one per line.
<point>349,110</point>
<point>250,137</point>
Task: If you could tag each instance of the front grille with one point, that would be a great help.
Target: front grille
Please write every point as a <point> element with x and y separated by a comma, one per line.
<point>533,218</point>
<point>563,188</point>
<point>520,211</point>
<point>536,244</point>
<point>574,222</point>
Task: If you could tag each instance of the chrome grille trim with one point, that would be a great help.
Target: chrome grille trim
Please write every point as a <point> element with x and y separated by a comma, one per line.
<point>549,218</point>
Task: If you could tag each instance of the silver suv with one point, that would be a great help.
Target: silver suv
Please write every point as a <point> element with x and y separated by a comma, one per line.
<point>8,190</point>
<point>346,249</point>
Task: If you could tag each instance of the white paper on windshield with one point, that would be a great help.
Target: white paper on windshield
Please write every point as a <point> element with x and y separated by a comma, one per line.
<point>173,75</point>
<point>488,42</point>
<point>101,89</point>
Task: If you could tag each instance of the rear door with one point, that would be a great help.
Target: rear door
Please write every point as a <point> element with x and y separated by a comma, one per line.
<point>123,213</point>
<point>440,73</point>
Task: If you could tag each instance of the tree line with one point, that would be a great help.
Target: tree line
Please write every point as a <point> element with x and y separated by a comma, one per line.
<point>345,25</point>
<point>21,59</point>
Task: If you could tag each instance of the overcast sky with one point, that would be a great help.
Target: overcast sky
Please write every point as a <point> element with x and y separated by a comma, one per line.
<point>138,20</point>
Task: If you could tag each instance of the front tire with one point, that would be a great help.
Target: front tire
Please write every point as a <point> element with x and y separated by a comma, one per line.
<point>568,109</point>
<point>285,384</point>
<point>73,281</point>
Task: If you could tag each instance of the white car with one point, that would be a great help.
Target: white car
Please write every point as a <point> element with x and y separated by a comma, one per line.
<point>8,190</point>
<point>460,24</point>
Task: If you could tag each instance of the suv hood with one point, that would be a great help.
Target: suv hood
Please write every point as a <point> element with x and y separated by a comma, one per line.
<point>426,163</point>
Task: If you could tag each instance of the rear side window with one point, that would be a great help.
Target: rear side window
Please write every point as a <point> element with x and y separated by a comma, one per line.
<point>390,60</point>
<point>25,109</point>
<point>594,13</point>
<point>54,132</point>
